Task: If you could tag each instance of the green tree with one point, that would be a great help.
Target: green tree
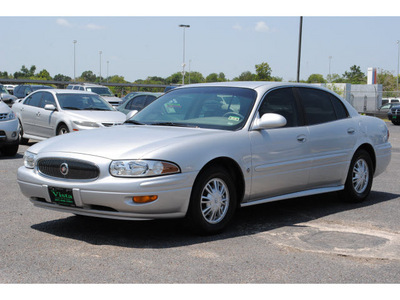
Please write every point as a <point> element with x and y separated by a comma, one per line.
<point>87,76</point>
<point>388,81</point>
<point>195,77</point>
<point>4,74</point>
<point>335,78</point>
<point>25,72</point>
<point>245,76</point>
<point>60,77</point>
<point>263,72</point>
<point>175,78</point>
<point>316,78</point>
<point>43,75</point>
<point>355,76</point>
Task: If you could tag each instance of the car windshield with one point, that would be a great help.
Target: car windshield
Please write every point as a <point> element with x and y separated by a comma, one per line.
<point>224,108</point>
<point>3,90</point>
<point>82,102</point>
<point>102,91</point>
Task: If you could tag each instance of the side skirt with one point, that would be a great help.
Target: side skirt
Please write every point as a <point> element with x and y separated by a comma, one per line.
<point>295,195</point>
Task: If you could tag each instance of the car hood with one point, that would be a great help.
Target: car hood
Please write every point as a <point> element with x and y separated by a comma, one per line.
<point>124,141</point>
<point>4,109</point>
<point>97,116</point>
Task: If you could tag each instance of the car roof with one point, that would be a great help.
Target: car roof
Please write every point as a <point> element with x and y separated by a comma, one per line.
<point>65,91</point>
<point>252,84</point>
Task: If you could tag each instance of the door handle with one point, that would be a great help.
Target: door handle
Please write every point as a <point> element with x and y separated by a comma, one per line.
<point>351,131</point>
<point>301,138</point>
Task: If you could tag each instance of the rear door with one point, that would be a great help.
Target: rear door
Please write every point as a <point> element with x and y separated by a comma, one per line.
<point>29,111</point>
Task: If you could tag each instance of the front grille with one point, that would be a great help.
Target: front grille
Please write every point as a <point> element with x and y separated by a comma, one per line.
<point>68,168</point>
<point>395,112</point>
<point>111,124</point>
<point>3,116</point>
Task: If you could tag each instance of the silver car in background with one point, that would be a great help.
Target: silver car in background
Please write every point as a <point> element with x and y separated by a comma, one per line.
<point>201,151</point>
<point>9,130</point>
<point>47,113</point>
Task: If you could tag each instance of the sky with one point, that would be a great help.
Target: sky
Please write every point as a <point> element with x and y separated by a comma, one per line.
<point>141,40</point>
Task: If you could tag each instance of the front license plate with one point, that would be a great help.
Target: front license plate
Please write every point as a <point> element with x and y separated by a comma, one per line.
<point>61,196</point>
<point>394,117</point>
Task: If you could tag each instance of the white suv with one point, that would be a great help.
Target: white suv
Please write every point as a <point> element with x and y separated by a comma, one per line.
<point>101,90</point>
<point>9,130</point>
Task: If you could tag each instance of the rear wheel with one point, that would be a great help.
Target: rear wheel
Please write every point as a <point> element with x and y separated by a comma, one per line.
<point>359,178</point>
<point>213,201</point>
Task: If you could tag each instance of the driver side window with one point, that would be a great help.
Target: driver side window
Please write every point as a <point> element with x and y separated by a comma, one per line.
<point>282,102</point>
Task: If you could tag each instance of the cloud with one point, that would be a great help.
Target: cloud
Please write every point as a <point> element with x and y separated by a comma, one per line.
<point>262,27</point>
<point>92,26</point>
<point>237,27</point>
<point>63,23</point>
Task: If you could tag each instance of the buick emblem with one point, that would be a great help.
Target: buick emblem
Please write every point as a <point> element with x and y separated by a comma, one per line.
<point>64,169</point>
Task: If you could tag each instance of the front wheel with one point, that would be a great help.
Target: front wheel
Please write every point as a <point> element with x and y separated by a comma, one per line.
<point>63,129</point>
<point>359,178</point>
<point>213,201</point>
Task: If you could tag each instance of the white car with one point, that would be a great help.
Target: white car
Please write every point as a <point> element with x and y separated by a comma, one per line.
<point>47,113</point>
<point>201,151</point>
<point>9,130</point>
<point>101,90</point>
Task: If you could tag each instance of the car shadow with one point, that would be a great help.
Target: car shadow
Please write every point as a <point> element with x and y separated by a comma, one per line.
<point>172,233</point>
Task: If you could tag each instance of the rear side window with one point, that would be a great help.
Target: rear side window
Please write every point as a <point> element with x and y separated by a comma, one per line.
<point>320,106</point>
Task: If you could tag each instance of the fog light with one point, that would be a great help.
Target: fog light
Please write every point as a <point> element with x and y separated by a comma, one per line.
<point>144,199</point>
<point>14,134</point>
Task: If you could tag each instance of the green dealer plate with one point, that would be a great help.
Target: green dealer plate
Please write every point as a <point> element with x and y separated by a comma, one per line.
<point>62,196</point>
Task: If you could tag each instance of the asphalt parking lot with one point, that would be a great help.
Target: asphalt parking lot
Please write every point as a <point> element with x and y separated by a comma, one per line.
<point>315,239</point>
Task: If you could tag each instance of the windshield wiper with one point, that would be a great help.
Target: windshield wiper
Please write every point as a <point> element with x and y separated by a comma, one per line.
<point>70,107</point>
<point>134,122</point>
<point>94,108</point>
<point>171,124</point>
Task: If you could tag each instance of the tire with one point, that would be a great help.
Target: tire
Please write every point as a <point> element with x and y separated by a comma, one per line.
<point>10,150</point>
<point>62,129</point>
<point>212,202</point>
<point>22,140</point>
<point>359,178</point>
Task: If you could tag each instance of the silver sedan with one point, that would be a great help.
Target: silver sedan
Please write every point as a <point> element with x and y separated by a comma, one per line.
<point>46,113</point>
<point>202,151</point>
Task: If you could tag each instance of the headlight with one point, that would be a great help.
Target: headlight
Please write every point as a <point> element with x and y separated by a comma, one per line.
<point>29,159</point>
<point>87,124</point>
<point>142,168</point>
<point>10,116</point>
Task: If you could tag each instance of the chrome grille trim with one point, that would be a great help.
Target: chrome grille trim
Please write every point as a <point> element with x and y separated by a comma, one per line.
<point>77,169</point>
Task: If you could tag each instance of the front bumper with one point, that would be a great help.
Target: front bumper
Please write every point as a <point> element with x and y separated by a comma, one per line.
<point>9,132</point>
<point>111,197</point>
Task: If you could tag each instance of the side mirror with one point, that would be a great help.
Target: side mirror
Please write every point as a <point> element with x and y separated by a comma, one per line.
<point>268,121</point>
<point>50,107</point>
<point>131,114</point>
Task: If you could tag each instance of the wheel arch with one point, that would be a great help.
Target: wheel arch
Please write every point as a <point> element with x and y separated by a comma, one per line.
<point>62,122</point>
<point>233,169</point>
<point>370,150</point>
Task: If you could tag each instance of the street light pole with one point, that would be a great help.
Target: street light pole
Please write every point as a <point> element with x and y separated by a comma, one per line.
<point>299,54</point>
<point>74,41</point>
<point>183,63</point>
<point>398,59</point>
<point>107,70</point>
<point>100,52</point>
<point>330,76</point>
